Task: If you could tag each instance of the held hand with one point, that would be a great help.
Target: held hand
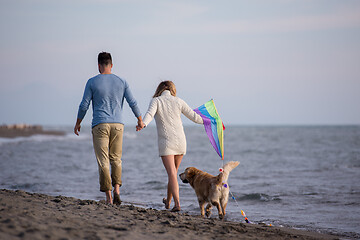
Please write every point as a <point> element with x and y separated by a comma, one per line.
<point>77,129</point>
<point>140,126</point>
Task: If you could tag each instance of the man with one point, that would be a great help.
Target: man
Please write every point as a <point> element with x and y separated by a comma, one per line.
<point>107,92</point>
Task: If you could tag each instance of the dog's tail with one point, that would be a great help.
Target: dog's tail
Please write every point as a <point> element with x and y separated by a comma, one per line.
<point>224,175</point>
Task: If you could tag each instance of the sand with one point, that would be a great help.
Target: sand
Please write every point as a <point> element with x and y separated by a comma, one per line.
<point>26,215</point>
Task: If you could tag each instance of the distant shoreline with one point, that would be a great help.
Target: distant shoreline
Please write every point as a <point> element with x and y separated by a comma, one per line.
<point>24,130</point>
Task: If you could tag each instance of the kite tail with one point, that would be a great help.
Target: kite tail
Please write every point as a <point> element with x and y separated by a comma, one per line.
<point>228,167</point>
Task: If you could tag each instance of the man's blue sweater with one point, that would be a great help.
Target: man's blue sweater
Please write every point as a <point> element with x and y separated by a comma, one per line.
<point>107,92</point>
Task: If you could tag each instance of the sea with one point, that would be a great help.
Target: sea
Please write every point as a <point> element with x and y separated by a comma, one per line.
<point>302,177</point>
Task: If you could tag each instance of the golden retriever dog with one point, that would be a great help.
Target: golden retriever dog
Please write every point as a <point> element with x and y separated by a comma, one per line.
<point>210,189</point>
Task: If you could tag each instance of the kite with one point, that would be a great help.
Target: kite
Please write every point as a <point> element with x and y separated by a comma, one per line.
<point>214,127</point>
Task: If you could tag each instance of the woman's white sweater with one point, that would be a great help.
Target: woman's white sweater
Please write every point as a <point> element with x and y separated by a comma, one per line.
<point>167,111</point>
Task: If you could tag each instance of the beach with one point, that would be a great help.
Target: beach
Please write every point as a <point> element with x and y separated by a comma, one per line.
<point>303,178</point>
<point>27,215</point>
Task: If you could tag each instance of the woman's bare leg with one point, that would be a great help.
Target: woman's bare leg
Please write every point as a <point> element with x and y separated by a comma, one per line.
<point>177,161</point>
<point>171,164</point>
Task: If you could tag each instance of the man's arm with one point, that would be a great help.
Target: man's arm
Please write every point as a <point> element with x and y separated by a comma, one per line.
<point>84,106</point>
<point>77,126</point>
<point>134,107</point>
<point>85,102</point>
<point>131,101</point>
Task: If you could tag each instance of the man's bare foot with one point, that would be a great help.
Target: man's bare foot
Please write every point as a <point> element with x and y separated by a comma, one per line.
<point>117,200</point>
<point>109,199</point>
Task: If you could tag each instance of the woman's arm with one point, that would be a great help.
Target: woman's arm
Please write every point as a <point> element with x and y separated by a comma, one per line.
<point>150,112</point>
<point>190,114</point>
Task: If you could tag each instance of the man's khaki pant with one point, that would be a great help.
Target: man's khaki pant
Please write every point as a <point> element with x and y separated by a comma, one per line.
<point>107,140</point>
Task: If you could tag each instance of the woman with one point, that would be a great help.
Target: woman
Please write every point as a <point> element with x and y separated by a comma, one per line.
<point>167,110</point>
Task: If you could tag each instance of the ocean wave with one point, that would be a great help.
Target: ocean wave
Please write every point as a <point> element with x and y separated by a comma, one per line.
<point>261,197</point>
<point>352,204</point>
<point>154,185</point>
<point>43,138</point>
<point>27,186</point>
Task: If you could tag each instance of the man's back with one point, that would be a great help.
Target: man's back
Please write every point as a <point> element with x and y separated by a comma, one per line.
<point>107,91</point>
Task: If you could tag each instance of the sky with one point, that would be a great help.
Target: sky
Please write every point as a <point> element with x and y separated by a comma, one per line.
<point>264,62</point>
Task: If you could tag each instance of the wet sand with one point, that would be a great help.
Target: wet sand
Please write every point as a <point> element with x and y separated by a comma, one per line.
<point>37,216</point>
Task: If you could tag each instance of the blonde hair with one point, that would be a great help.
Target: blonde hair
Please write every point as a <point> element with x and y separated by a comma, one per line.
<point>165,85</point>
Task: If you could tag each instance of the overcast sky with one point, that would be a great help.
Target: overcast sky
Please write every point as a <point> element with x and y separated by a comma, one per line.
<point>262,61</point>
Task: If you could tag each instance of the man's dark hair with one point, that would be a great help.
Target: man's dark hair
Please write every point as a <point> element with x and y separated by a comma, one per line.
<point>104,58</point>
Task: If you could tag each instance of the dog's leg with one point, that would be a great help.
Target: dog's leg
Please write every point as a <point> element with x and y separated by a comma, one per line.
<point>208,210</point>
<point>217,204</point>
<point>223,207</point>
<point>223,202</point>
<point>202,204</point>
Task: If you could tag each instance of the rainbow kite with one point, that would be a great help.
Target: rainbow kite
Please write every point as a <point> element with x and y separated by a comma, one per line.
<point>214,127</point>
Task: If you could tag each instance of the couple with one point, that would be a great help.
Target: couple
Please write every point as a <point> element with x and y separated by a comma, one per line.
<point>107,92</point>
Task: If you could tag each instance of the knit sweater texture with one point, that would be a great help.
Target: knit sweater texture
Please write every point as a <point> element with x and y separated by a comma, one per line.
<point>167,110</point>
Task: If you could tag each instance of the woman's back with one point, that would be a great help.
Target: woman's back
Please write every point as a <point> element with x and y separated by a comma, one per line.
<point>167,110</point>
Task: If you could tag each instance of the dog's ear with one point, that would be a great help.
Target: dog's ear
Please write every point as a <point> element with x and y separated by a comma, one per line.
<point>190,172</point>
<point>219,178</point>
